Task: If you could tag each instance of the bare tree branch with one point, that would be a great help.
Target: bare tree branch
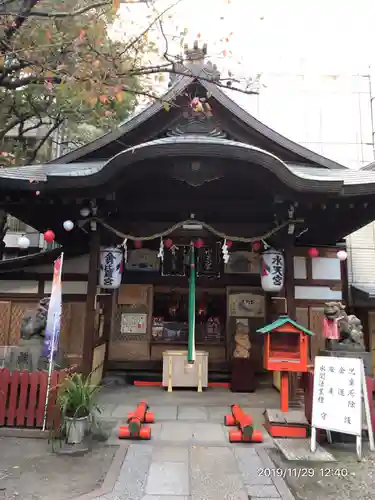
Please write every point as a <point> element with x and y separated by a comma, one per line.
<point>61,15</point>
<point>31,158</point>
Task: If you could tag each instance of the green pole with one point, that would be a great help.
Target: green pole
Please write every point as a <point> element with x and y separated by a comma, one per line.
<point>191,339</point>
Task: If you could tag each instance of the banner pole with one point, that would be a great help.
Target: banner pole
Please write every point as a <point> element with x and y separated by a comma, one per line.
<point>56,319</point>
<point>50,364</point>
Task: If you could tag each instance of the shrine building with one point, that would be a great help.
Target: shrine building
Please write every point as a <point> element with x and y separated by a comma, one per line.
<point>265,216</point>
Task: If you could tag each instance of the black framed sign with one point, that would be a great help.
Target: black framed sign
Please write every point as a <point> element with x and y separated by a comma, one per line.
<point>174,261</point>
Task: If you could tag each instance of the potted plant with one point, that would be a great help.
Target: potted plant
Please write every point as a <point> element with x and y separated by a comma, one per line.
<point>77,402</point>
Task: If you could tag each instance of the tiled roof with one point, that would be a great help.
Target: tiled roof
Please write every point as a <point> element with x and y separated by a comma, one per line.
<point>42,173</point>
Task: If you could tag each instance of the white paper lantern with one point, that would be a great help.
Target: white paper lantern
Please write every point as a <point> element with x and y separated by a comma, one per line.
<point>85,212</point>
<point>342,255</point>
<point>111,265</point>
<point>272,271</point>
<point>68,225</point>
<point>23,242</point>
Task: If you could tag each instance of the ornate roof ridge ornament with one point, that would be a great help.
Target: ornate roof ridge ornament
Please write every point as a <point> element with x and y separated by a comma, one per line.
<point>193,63</point>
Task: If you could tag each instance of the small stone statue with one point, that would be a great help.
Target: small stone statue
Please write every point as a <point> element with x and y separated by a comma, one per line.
<point>340,330</point>
<point>30,347</point>
<point>241,338</point>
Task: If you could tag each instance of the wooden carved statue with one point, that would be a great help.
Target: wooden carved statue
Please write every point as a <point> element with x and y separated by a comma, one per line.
<point>340,330</point>
<point>242,340</point>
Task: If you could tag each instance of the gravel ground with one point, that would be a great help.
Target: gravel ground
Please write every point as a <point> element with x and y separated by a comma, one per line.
<point>29,470</point>
<point>327,481</point>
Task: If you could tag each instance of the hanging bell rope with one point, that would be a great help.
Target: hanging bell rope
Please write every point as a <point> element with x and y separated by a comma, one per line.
<point>209,228</point>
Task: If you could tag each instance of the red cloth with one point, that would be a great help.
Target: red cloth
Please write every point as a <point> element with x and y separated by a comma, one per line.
<point>331,329</point>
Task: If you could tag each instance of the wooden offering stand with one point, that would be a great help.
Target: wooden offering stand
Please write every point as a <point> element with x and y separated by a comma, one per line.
<point>285,350</point>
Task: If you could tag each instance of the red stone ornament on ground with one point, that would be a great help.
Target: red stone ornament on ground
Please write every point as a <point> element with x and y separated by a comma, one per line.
<point>136,419</point>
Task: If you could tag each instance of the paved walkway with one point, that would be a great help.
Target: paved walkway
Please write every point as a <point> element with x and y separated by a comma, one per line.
<point>189,456</point>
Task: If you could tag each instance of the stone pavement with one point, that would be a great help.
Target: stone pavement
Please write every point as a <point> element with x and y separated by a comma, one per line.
<point>152,472</point>
<point>189,456</point>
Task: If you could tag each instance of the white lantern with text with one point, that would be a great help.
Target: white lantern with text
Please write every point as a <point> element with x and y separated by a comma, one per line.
<point>272,271</point>
<point>111,265</point>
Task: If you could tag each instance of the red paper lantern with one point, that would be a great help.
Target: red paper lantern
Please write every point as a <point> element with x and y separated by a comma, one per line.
<point>229,244</point>
<point>138,243</point>
<point>313,252</point>
<point>256,246</point>
<point>49,236</point>
<point>168,243</point>
<point>199,243</point>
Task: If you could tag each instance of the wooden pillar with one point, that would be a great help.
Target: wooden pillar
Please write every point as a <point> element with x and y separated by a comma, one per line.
<point>345,285</point>
<point>88,335</point>
<point>284,392</point>
<point>290,307</point>
<point>289,281</point>
<point>113,309</point>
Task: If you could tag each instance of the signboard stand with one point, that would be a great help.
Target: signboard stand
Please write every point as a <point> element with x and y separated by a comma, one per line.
<point>339,393</point>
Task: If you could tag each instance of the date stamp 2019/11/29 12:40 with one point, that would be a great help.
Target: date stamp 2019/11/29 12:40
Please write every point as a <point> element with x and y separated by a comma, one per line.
<point>298,472</point>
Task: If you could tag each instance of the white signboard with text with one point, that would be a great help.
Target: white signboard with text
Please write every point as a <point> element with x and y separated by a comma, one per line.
<point>337,397</point>
<point>339,393</point>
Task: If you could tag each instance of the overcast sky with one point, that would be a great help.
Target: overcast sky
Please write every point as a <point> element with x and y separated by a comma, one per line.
<point>324,36</point>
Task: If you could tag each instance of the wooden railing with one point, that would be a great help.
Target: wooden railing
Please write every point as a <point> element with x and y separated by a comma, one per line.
<point>23,396</point>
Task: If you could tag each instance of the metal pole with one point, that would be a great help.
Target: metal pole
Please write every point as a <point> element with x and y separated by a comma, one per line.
<point>56,319</point>
<point>50,372</point>
<point>191,339</point>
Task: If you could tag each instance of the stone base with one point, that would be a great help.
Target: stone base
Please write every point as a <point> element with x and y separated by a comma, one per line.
<point>292,424</point>
<point>366,356</point>
<point>73,449</point>
<point>295,450</point>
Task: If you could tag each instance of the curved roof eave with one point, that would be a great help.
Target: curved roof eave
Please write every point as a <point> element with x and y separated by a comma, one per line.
<point>178,87</point>
<point>370,167</point>
<point>268,132</point>
<point>207,147</point>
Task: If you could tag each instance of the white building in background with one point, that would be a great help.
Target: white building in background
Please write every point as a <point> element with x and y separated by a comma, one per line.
<point>334,116</point>
<point>329,114</point>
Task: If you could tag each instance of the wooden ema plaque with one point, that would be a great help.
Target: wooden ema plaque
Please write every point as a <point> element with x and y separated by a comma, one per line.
<point>285,350</point>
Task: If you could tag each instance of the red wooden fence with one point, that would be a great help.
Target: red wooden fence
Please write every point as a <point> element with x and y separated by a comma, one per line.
<point>23,396</point>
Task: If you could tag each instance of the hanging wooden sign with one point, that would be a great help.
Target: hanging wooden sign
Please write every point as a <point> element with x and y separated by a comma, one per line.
<point>174,261</point>
<point>246,305</point>
<point>242,262</point>
<point>208,261</point>
<point>143,259</point>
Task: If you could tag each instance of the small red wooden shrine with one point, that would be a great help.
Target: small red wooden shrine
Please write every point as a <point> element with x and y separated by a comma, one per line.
<point>286,347</point>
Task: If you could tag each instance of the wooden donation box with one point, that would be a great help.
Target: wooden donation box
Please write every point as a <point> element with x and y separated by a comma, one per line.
<point>285,346</point>
<point>285,350</point>
<point>177,372</point>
